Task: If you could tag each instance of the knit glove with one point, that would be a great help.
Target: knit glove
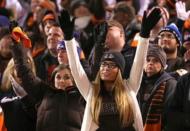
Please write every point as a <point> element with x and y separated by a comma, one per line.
<point>149,21</point>
<point>181,11</point>
<point>67,25</point>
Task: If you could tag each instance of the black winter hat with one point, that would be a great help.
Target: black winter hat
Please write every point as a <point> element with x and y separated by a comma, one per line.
<point>116,57</point>
<point>156,51</point>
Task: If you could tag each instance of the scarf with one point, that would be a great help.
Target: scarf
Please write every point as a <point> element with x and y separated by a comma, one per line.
<point>154,114</point>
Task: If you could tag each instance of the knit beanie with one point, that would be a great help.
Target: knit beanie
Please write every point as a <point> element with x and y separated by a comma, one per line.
<point>157,52</point>
<point>174,30</point>
<point>115,57</point>
<point>48,15</point>
<point>164,13</point>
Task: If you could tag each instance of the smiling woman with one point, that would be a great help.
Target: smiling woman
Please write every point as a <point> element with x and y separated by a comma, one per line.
<point>51,115</point>
<point>62,78</point>
<point>111,62</point>
<point>60,106</point>
<point>111,100</point>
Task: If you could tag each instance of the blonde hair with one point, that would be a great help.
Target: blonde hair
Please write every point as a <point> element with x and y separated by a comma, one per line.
<point>6,83</point>
<point>122,99</point>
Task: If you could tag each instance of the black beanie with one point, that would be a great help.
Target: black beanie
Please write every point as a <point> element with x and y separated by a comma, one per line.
<point>116,57</point>
<point>156,51</point>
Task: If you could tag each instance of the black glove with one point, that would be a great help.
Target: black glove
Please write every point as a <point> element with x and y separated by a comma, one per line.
<point>66,24</point>
<point>100,32</point>
<point>149,21</point>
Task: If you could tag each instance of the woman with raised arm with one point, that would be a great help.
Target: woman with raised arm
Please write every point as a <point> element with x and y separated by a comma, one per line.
<point>60,106</point>
<point>111,100</point>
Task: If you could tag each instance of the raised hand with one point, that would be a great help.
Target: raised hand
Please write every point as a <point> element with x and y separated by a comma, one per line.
<point>181,11</point>
<point>67,25</point>
<point>149,21</point>
<point>18,35</point>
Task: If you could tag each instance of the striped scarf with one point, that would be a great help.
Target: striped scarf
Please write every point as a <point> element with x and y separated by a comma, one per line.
<point>154,114</point>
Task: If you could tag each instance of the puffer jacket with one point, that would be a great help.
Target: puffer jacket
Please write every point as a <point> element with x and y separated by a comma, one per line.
<point>58,110</point>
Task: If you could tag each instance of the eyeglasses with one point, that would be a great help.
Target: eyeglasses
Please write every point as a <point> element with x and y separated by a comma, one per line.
<point>108,65</point>
<point>168,36</point>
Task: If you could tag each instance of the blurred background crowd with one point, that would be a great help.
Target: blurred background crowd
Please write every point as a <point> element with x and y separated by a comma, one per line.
<point>99,26</point>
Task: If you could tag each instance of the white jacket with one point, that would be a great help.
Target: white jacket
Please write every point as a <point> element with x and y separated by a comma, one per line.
<point>85,86</point>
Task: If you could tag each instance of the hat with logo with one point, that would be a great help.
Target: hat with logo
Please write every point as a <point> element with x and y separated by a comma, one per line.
<point>115,57</point>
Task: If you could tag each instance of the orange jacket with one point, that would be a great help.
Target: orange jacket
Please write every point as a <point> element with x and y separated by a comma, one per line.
<point>2,123</point>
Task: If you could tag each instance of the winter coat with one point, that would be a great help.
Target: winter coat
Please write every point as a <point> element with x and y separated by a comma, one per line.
<point>2,122</point>
<point>45,64</point>
<point>19,114</point>
<point>85,86</point>
<point>150,88</point>
<point>179,110</point>
<point>173,65</point>
<point>58,110</point>
<point>61,111</point>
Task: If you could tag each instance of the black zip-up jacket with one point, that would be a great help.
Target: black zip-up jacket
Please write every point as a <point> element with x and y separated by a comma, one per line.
<point>58,110</point>
<point>19,114</point>
<point>147,91</point>
<point>179,110</point>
